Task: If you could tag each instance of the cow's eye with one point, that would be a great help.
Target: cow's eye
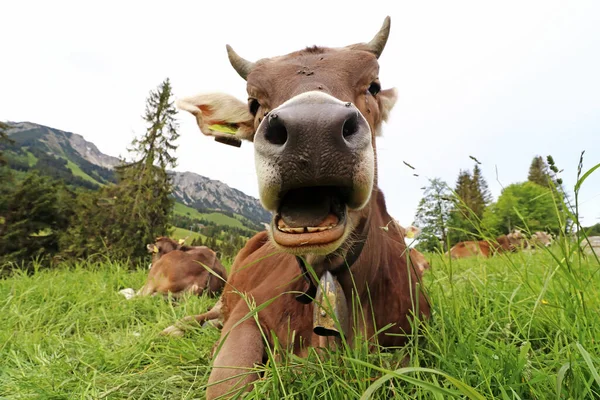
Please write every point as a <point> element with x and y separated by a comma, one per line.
<point>253,105</point>
<point>374,88</point>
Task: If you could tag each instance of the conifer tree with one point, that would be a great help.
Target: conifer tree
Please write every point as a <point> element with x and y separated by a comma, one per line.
<point>480,193</point>
<point>34,215</point>
<point>538,172</point>
<point>472,196</point>
<point>461,221</point>
<point>6,181</point>
<point>3,139</point>
<point>143,197</point>
<point>197,241</point>
<point>120,220</point>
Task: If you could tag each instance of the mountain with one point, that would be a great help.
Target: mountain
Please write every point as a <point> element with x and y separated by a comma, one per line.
<point>69,156</point>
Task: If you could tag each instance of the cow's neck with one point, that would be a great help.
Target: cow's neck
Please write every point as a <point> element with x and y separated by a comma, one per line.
<point>366,267</point>
<point>350,273</point>
<point>337,263</point>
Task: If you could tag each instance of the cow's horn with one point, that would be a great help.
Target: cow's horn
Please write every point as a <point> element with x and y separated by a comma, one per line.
<point>377,44</point>
<point>241,65</point>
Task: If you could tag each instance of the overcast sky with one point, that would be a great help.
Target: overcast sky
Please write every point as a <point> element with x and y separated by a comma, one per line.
<point>502,82</point>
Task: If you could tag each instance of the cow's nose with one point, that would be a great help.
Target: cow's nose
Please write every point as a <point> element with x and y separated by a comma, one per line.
<point>327,125</point>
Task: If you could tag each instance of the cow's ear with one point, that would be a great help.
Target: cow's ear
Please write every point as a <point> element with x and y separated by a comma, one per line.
<point>150,247</point>
<point>222,116</point>
<point>388,99</point>
<point>413,232</point>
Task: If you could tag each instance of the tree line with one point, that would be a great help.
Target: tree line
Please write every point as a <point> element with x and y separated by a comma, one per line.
<point>448,215</point>
<point>43,216</point>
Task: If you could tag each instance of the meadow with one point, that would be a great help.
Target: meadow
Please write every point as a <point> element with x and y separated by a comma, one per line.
<point>517,326</point>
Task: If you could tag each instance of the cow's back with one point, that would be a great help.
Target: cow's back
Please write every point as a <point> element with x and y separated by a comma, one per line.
<point>178,271</point>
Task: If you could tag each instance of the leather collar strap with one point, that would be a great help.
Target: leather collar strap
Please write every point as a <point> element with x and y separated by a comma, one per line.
<point>351,257</point>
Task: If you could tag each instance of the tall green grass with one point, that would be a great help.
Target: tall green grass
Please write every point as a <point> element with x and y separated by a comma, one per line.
<point>510,327</point>
<point>515,326</point>
<point>68,334</point>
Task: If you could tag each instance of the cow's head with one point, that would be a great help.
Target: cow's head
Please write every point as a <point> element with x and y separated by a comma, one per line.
<point>313,116</point>
<point>161,246</point>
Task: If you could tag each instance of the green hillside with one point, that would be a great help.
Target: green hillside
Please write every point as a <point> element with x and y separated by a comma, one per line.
<point>181,233</point>
<point>79,172</point>
<point>216,217</point>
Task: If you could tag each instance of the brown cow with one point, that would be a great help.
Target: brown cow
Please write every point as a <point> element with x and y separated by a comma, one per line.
<point>505,243</point>
<point>178,269</point>
<point>313,116</point>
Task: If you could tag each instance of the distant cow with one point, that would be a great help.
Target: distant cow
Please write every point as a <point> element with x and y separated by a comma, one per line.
<point>505,243</point>
<point>592,245</point>
<point>180,269</point>
<point>540,239</point>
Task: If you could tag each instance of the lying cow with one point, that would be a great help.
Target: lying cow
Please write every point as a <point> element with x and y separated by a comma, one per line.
<point>540,239</point>
<point>313,116</point>
<point>505,243</point>
<point>178,269</point>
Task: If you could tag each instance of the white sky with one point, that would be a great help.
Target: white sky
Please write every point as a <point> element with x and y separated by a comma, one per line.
<point>502,82</point>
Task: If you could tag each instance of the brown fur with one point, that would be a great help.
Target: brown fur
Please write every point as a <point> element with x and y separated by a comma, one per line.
<point>178,269</point>
<point>262,273</point>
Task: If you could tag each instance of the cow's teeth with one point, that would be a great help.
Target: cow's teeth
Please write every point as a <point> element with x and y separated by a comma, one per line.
<point>306,229</point>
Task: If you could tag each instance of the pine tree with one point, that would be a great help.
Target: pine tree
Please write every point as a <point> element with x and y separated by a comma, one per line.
<point>480,193</point>
<point>144,202</point>
<point>461,220</point>
<point>197,241</point>
<point>6,176</point>
<point>120,220</point>
<point>472,196</point>
<point>35,213</point>
<point>3,139</point>
<point>538,172</point>
<point>432,216</point>
<point>464,186</point>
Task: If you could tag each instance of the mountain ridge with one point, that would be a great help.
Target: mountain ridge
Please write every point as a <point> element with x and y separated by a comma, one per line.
<point>192,189</point>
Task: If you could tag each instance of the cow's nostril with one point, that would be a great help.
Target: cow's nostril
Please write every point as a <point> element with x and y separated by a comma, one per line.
<point>276,133</point>
<point>350,126</point>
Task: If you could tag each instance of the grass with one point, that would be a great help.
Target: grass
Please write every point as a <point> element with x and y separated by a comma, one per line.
<point>31,159</point>
<point>217,218</point>
<point>515,326</point>
<point>180,233</point>
<point>79,172</point>
<point>522,326</point>
<point>67,333</point>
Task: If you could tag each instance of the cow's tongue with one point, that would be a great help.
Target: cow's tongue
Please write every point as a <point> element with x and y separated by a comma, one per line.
<point>306,207</point>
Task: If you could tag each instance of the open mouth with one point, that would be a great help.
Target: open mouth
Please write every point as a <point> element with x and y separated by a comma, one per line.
<point>311,216</point>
